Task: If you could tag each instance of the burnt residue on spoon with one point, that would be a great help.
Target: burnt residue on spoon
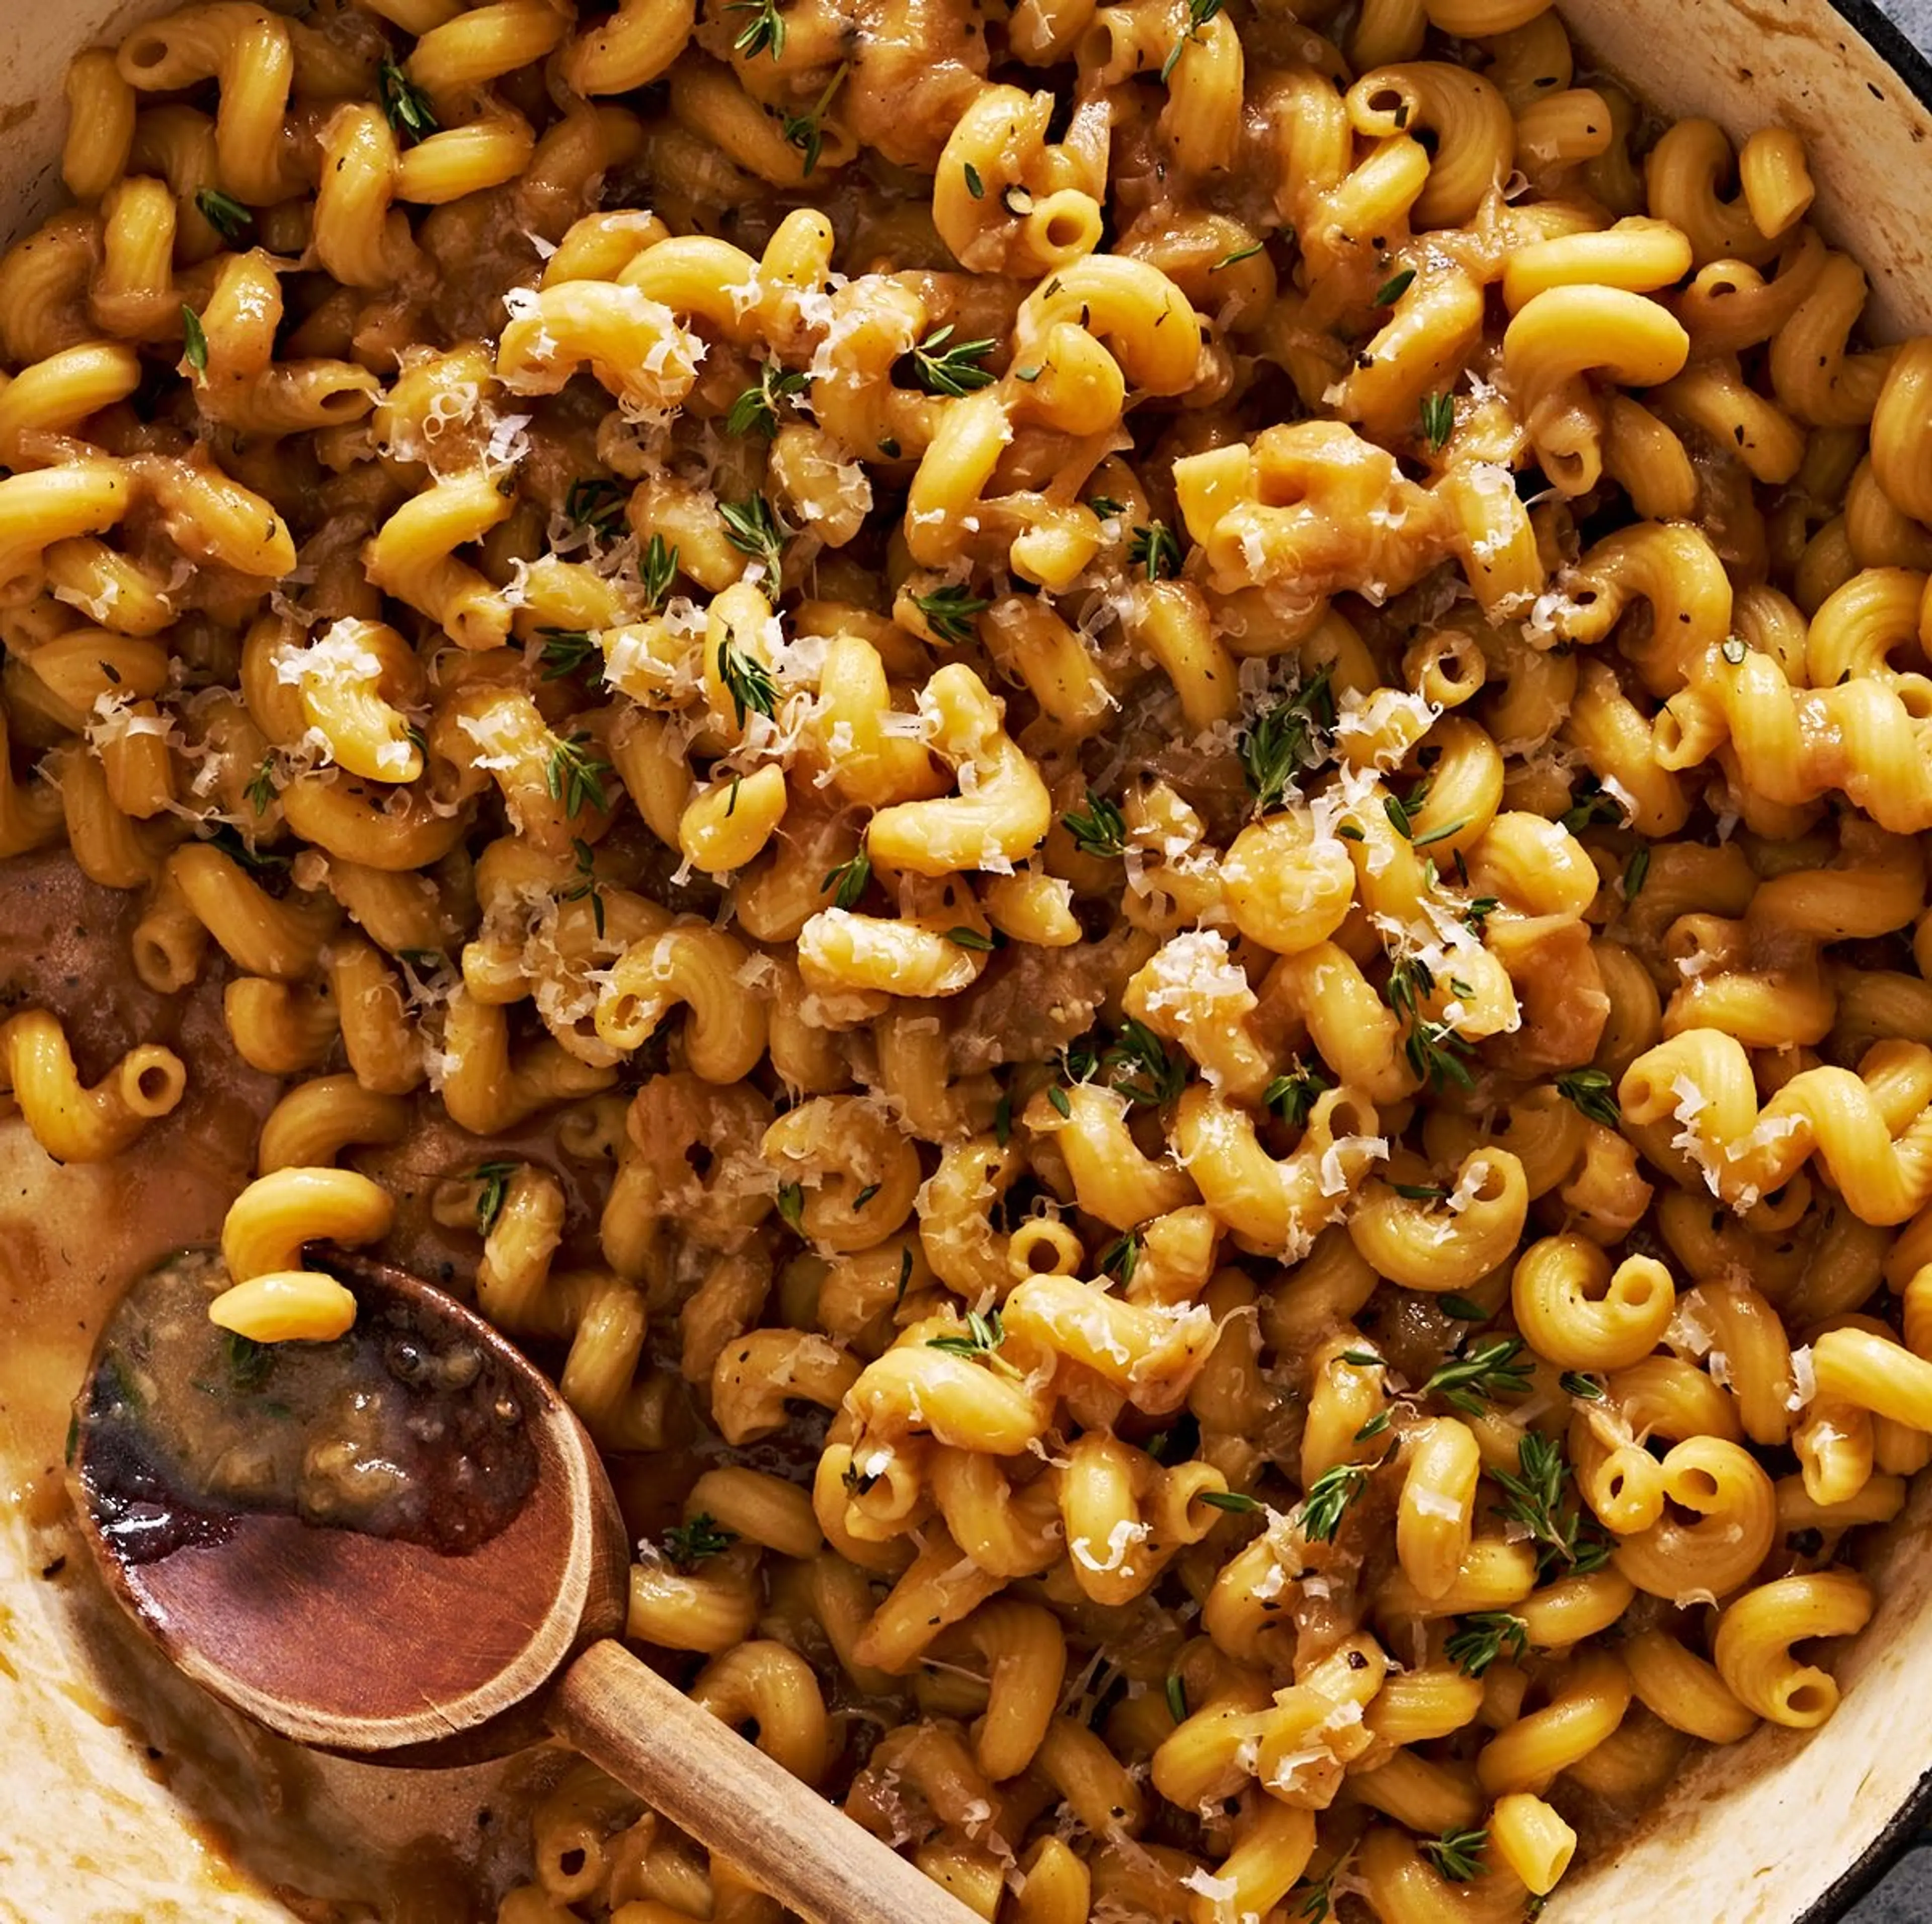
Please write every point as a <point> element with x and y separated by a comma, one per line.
<point>395,1429</point>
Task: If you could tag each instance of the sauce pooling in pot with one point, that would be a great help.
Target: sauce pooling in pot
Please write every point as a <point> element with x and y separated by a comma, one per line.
<point>391,1430</point>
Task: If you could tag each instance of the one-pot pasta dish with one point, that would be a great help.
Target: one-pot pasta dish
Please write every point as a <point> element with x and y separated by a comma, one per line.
<point>1118,806</point>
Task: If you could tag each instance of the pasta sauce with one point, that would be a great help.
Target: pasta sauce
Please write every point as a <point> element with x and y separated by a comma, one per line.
<point>187,1429</point>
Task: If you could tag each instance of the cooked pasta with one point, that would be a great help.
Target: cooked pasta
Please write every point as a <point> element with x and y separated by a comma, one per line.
<point>1142,810</point>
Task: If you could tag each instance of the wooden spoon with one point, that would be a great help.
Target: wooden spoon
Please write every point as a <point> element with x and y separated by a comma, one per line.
<point>402,1545</point>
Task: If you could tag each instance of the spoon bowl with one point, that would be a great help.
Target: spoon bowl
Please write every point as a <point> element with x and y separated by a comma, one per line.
<point>368,1636</point>
<point>401,1545</point>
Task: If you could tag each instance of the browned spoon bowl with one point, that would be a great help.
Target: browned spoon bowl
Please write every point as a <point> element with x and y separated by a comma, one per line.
<point>463,1608</point>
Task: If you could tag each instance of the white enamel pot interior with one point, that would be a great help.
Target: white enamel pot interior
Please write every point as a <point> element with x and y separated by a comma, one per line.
<point>1788,1826</point>
<point>1781,1829</point>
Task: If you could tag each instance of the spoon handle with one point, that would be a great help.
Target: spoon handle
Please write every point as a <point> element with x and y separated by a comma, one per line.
<point>733,1800</point>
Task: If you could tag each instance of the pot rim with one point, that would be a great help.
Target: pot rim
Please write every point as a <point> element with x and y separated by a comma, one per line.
<point>1909,1828</point>
<point>1889,41</point>
<point>1908,1825</point>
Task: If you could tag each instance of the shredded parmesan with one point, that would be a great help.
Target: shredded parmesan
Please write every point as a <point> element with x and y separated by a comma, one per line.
<point>1804,1379</point>
<point>1691,1332</point>
<point>1216,1890</point>
<point>1334,1178</point>
<point>1121,1539</point>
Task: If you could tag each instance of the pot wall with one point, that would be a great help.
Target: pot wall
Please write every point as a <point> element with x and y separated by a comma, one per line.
<point>1746,63</point>
<point>1781,1828</point>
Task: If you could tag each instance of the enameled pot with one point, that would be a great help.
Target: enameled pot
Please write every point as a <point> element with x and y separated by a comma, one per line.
<point>1783,1828</point>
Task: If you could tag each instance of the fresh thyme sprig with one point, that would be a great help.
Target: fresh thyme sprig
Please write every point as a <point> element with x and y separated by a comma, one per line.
<point>1591,803</point>
<point>791,1205</point>
<point>984,1334</point>
<point>224,213</point>
<point>1100,831</point>
<point>1156,548</point>
<point>1293,1093</point>
<point>575,777</point>
<point>1328,1497</point>
<point>1291,736</point>
<point>1566,1544</point>
<point>756,410</point>
<point>1394,287</point>
<point>1435,1051</point>
<point>949,610</point>
<point>805,131</point>
<point>765,32</point>
<point>688,1545</point>
<point>596,502</point>
<point>1142,1068</point>
<point>1483,1638</point>
<point>261,788</point>
<point>657,568</point>
<point>1079,1059</point>
<point>569,651</point>
<point>1319,1900</point>
<point>1137,1063</point>
<point>1199,13</point>
<point>747,680</point>
<point>1472,1380</point>
<point>847,883</point>
<point>405,103</point>
<point>494,1183</point>
<point>1122,1257</point>
<point>752,529</point>
<point>1592,1091</point>
<point>944,366</point>
<point>1401,811</point>
<point>194,342</point>
<point>239,847</point>
<point>585,888</point>
<point>1457,1854</point>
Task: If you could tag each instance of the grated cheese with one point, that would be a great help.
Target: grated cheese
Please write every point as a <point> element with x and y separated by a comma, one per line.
<point>1334,1178</point>
<point>1120,1540</point>
<point>1691,1332</point>
<point>1804,1379</point>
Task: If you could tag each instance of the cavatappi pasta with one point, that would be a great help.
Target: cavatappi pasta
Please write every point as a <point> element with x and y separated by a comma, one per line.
<point>1151,779</point>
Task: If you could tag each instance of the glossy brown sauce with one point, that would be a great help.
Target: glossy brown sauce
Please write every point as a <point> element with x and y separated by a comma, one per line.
<point>396,1430</point>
